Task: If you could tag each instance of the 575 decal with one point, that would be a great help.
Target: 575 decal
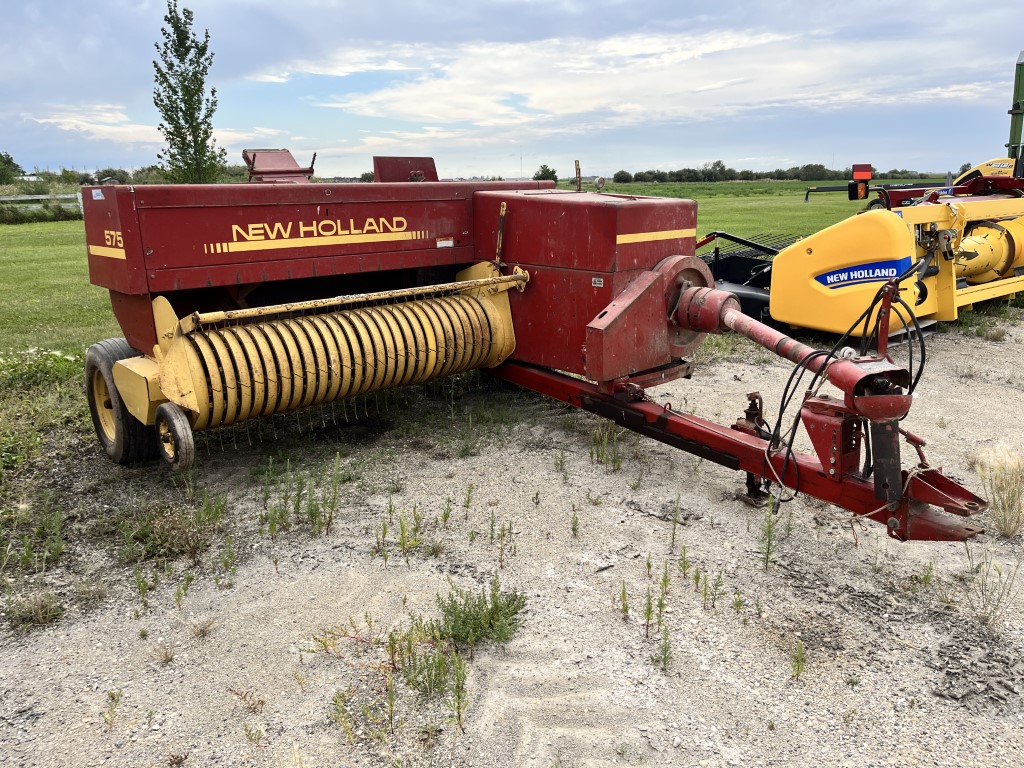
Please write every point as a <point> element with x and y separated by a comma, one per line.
<point>113,245</point>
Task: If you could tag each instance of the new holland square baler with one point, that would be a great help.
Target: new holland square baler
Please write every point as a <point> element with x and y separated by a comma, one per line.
<point>248,300</point>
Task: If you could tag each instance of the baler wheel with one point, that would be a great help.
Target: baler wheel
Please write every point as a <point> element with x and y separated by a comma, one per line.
<point>174,437</point>
<point>125,439</point>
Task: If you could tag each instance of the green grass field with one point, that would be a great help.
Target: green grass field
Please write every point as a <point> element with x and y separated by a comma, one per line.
<point>748,208</point>
<point>47,301</point>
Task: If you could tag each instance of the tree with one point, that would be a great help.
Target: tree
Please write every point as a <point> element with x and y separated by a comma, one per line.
<point>191,155</point>
<point>9,170</point>
<point>78,178</point>
<point>113,176</point>
<point>545,174</point>
<point>366,177</point>
<point>964,169</point>
<point>150,174</point>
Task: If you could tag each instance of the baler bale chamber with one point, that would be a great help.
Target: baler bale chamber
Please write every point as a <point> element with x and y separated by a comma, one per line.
<point>243,301</point>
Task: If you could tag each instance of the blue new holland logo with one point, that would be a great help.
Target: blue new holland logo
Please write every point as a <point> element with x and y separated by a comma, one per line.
<point>874,272</point>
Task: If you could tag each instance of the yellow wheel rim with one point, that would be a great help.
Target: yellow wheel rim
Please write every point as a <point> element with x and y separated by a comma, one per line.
<point>167,444</point>
<point>104,405</point>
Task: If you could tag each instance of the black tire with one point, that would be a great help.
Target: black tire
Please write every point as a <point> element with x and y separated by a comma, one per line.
<point>125,439</point>
<point>174,437</point>
<point>875,204</point>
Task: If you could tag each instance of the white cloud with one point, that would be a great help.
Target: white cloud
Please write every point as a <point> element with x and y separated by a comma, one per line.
<point>234,136</point>
<point>102,122</point>
<point>565,86</point>
<point>109,122</point>
<point>351,61</point>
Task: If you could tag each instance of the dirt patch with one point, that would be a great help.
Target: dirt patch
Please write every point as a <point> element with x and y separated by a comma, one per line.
<point>896,669</point>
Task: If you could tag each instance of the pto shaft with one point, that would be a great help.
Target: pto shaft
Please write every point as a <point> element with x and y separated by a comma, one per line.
<point>873,387</point>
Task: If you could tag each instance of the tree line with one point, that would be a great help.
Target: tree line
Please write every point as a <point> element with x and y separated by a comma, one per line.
<point>718,171</point>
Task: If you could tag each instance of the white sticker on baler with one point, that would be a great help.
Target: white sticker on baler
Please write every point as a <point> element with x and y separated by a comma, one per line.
<point>446,242</point>
<point>97,194</point>
<point>597,282</point>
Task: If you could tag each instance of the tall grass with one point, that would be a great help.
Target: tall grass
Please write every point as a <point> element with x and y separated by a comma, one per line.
<point>1001,469</point>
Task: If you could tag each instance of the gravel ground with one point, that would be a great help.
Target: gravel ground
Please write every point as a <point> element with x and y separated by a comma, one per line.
<point>897,670</point>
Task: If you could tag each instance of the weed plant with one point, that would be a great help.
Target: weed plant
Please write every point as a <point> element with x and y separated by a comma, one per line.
<point>35,610</point>
<point>427,655</point>
<point>155,529</point>
<point>605,447</point>
<point>113,702</point>
<point>250,701</point>
<point>663,656</point>
<point>769,533</point>
<point>1001,470</point>
<point>296,499</point>
<point>683,563</point>
<point>31,536</point>
<point>163,652</point>
<point>254,734</point>
<point>648,613</point>
<point>468,617</point>
<point>737,601</point>
<point>182,589</point>
<point>798,661</point>
<point>989,586</point>
<point>675,524</point>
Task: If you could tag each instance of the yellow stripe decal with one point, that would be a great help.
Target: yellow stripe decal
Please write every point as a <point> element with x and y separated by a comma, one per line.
<point>319,241</point>
<point>103,250</point>
<point>647,237</point>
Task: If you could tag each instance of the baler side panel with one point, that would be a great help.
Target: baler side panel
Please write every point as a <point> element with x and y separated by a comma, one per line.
<point>113,239</point>
<point>271,236</point>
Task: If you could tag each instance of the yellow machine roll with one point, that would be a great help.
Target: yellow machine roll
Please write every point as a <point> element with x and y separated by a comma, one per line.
<point>264,368</point>
<point>226,367</point>
<point>990,250</point>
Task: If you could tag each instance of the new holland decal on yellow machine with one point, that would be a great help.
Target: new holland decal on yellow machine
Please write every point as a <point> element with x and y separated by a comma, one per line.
<point>875,272</point>
<point>966,250</point>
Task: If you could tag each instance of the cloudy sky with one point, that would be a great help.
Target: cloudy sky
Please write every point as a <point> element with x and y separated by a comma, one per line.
<point>496,87</point>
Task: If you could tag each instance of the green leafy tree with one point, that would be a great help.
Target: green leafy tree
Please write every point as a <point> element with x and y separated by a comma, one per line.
<point>150,174</point>
<point>366,177</point>
<point>232,174</point>
<point>622,177</point>
<point>71,176</point>
<point>9,170</point>
<point>545,174</point>
<point>113,176</point>
<point>180,95</point>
